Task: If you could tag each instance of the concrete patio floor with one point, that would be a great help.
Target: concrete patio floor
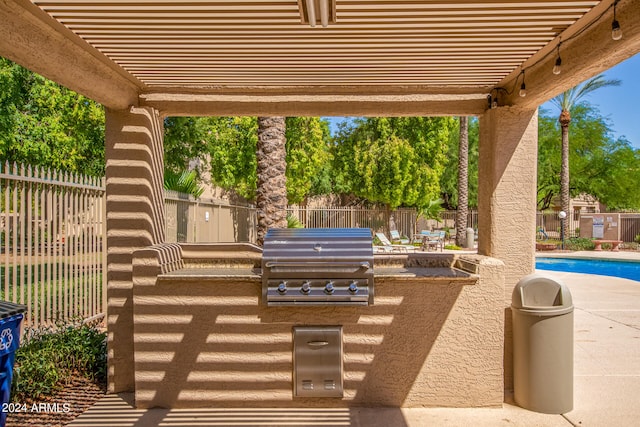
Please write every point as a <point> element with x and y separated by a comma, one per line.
<point>606,379</point>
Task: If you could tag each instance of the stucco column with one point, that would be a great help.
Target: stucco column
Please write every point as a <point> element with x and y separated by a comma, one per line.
<point>507,175</point>
<point>135,219</point>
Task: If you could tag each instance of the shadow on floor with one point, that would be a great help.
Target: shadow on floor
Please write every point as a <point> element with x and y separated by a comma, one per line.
<point>118,411</point>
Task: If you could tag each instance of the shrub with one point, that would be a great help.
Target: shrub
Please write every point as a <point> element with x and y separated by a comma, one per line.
<point>579,244</point>
<point>453,247</point>
<point>293,222</point>
<point>637,238</point>
<point>48,359</point>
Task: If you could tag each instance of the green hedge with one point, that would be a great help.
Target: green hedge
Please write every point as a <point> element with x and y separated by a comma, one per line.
<point>48,358</point>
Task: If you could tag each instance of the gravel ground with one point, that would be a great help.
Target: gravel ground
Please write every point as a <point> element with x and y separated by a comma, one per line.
<point>58,410</point>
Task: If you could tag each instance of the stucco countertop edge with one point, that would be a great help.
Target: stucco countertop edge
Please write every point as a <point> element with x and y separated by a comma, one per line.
<point>212,274</point>
<point>381,274</point>
<point>438,275</point>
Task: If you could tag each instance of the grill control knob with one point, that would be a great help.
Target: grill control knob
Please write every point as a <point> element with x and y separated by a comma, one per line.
<point>282,287</point>
<point>328,288</point>
<point>353,287</point>
<point>306,287</point>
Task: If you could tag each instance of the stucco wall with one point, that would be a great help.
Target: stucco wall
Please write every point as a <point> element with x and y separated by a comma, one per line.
<point>135,219</point>
<point>424,343</point>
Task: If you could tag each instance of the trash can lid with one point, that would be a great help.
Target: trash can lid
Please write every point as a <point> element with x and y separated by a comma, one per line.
<point>540,293</point>
<point>8,309</point>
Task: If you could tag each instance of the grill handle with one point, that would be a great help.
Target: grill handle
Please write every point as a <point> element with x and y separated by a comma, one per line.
<point>272,264</point>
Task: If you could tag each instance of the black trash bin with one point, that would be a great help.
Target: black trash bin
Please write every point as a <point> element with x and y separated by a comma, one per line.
<point>10,320</point>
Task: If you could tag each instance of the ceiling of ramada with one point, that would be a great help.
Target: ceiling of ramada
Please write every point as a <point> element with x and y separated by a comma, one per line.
<point>374,47</point>
<point>263,42</point>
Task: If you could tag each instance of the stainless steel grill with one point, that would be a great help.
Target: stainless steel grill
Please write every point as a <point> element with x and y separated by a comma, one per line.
<point>317,266</point>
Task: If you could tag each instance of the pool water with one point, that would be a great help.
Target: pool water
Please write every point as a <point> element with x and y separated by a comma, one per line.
<point>624,269</point>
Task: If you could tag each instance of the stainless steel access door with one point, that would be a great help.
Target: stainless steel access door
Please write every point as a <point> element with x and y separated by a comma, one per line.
<point>317,361</point>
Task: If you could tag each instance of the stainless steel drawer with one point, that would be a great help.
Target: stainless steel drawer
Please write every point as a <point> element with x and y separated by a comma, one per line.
<point>317,361</point>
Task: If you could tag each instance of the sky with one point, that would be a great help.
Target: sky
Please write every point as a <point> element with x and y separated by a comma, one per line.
<point>620,104</point>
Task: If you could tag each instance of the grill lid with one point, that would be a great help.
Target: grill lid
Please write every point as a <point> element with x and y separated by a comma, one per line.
<point>318,244</point>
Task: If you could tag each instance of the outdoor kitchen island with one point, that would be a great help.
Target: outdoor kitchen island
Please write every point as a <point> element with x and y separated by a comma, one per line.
<point>204,337</point>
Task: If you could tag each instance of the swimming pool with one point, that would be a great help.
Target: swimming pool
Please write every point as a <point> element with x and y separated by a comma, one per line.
<point>625,269</point>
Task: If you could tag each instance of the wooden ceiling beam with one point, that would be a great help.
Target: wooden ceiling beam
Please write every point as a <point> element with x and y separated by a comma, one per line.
<point>190,104</point>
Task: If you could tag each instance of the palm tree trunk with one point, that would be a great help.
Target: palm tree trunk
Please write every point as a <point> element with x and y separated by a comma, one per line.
<point>271,193</point>
<point>463,182</point>
<point>564,170</point>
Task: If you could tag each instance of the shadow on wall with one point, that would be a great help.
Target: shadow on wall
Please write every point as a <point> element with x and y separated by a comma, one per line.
<point>212,344</point>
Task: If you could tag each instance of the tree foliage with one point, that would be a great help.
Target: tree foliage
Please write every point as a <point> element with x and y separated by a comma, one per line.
<point>45,124</point>
<point>228,145</point>
<point>394,161</point>
<point>600,165</point>
<point>566,102</point>
<point>308,158</point>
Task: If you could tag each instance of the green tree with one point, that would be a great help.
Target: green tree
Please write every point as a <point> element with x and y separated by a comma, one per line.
<point>184,140</point>
<point>13,83</point>
<point>602,166</point>
<point>308,158</point>
<point>394,161</point>
<point>45,124</point>
<point>566,102</point>
<point>231,145</point>
<point>619,190</point>
<point>228,145</point>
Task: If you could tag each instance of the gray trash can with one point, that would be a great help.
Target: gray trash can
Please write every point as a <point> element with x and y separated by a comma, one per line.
<point>542,312</point>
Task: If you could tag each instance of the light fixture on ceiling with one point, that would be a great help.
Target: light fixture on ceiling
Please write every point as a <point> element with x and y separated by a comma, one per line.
<point>493,98</point>
<point>313,12</point>
<point>557,68</point>
<point>616,31</point>
<point>523,87</point>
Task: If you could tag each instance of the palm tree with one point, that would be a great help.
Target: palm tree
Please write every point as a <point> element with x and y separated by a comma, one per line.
<point>463,182</point>
<point>271,193</point>
<point>185,182</point>
<point>565,103</point>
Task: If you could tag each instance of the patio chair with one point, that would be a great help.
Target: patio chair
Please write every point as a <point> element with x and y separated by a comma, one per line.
<point>431,239</point>
<point>395,237</point>
<point>439,236</point>
<point>387,246</point>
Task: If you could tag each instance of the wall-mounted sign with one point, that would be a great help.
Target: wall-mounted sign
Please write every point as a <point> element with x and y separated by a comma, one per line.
<point>598,227</point>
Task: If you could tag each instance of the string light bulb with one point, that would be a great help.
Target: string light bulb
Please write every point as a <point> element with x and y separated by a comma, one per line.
<point>523,87</point>
<point>557,68</point>
<point>495,102</point>
<point>616,31</point>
